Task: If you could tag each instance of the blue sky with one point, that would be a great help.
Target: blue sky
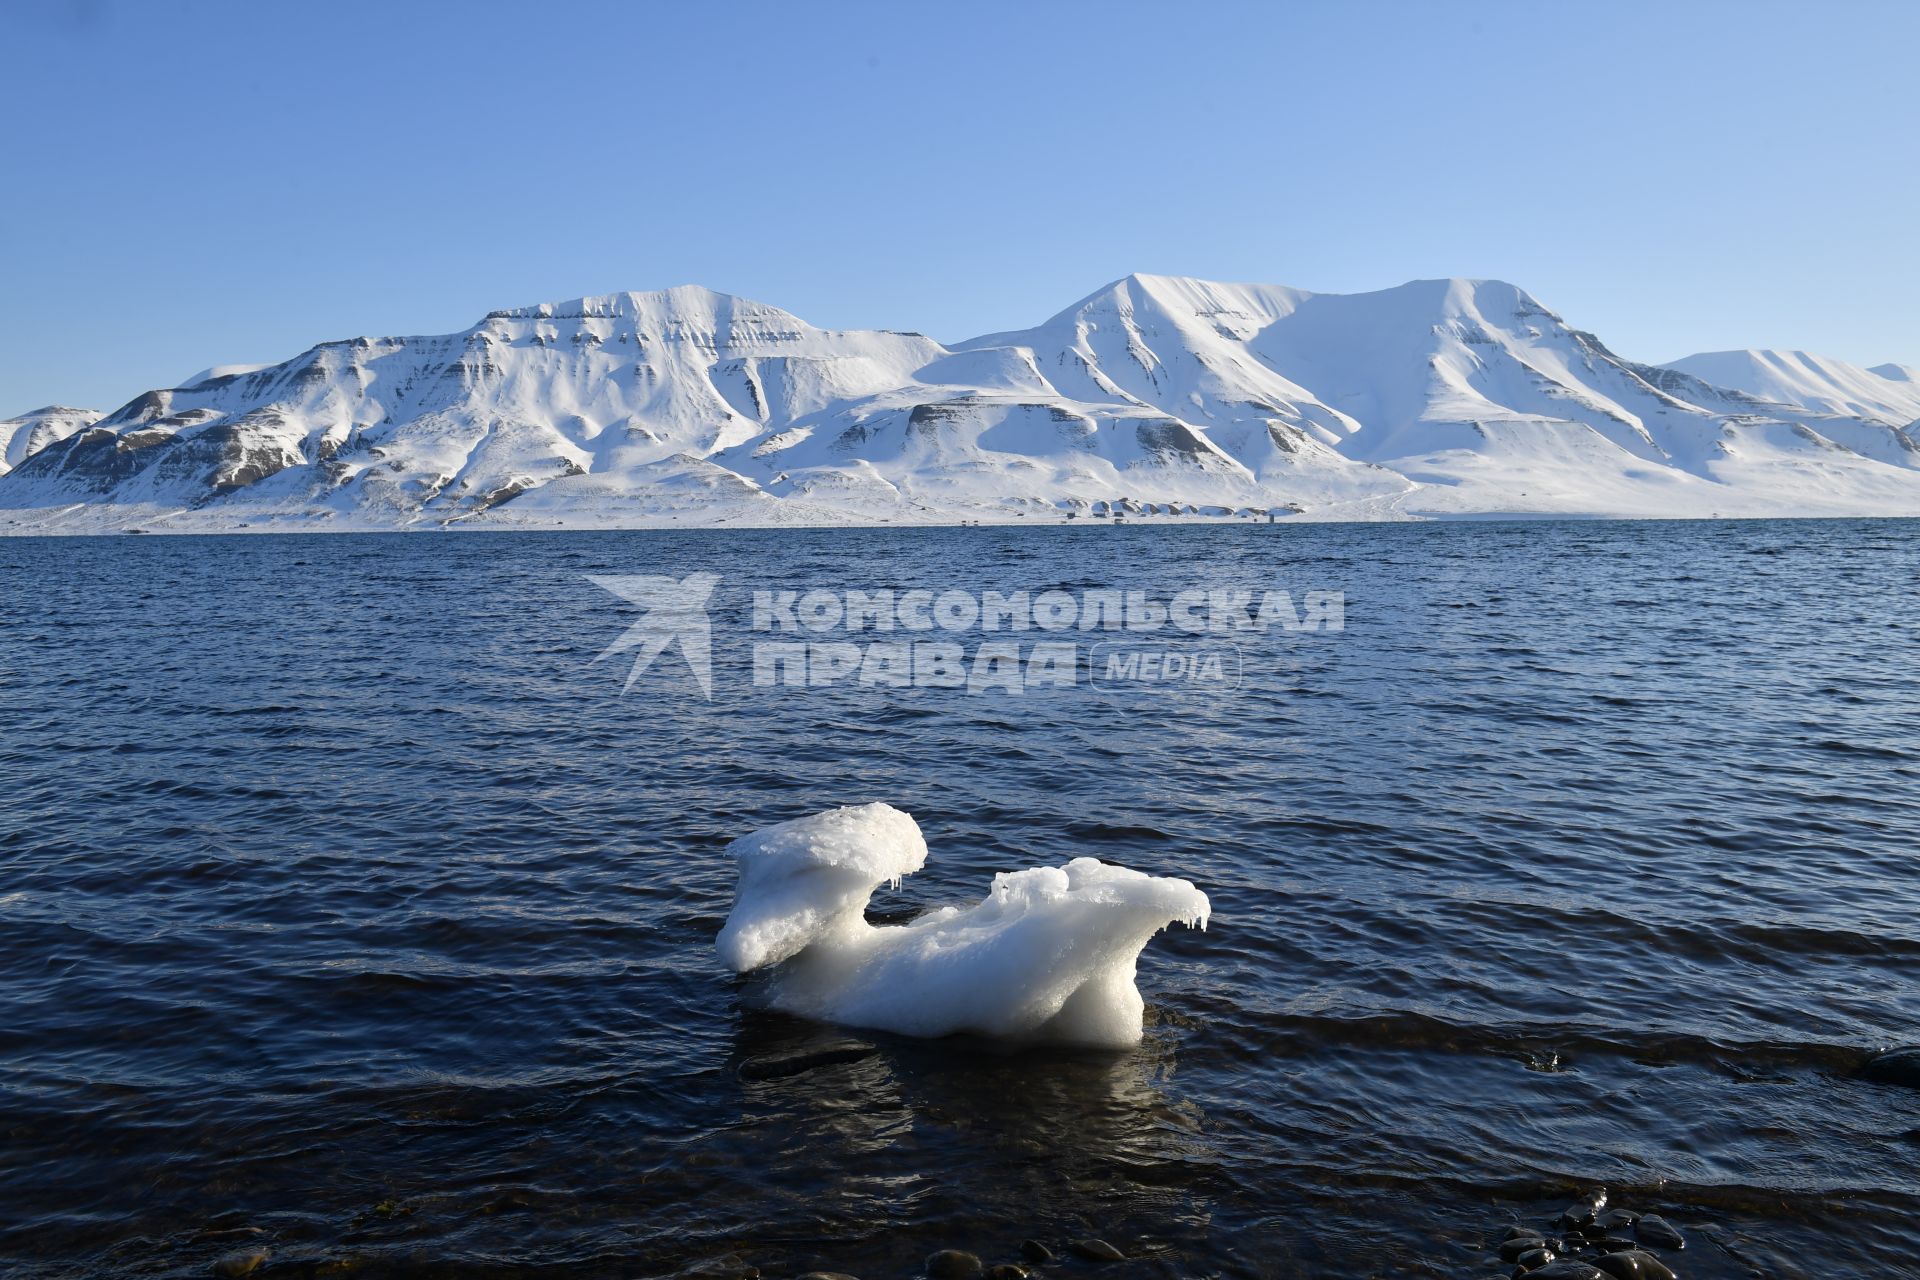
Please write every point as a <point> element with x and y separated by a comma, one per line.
<point>188,184</point>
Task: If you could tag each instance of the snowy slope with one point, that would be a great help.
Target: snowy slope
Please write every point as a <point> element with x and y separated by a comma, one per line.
<point>31,432</point>
<point>1157,393</point>
<point>1471,388</point>
<point>1012,420</point>
<point>1886,393</point>
<point>397,431</point>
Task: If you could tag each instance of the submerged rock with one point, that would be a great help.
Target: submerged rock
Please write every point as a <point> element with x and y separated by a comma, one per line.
<point>1007,1271</point>
<point>1514,1246</point>
<point>1034,1251</point>
<point>1592,1230</point>
<point>1659,1233</point>
<point>728,1266</point>
<point>1895,1066</point>
<point>507,1202</point>
<point>1567,1269</point>
<point>780,1066</point>
<point>1634,1264</point>
<point>241,1262</point>
<point>1585,1211</point>
<point>1094,1249</point>
<point>953,1264</point>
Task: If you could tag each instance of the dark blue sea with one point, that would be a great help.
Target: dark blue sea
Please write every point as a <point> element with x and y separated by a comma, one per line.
<point>350,910</point>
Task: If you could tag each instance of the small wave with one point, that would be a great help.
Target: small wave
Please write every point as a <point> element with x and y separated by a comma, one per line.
<point>1301,1034</point>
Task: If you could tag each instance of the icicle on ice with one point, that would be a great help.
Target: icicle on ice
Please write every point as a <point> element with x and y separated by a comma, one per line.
<point>1048,954</point>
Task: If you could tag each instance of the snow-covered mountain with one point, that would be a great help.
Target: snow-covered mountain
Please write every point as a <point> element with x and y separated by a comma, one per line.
<point>1154,395</point>
<point>31,432</point>
<point>1886,393</point>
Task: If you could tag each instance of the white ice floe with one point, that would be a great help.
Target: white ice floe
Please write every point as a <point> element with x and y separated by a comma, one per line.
<point>1048,954</point>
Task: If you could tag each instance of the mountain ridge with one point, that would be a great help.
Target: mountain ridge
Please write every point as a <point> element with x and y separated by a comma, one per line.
<point>1441,397</point>
<point>1812,381</point>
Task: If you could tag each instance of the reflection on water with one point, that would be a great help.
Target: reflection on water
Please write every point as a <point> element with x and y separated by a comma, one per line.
<point>1053,1142</point>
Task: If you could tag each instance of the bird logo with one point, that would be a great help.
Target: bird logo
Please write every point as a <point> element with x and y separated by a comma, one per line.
<point>676,613</point>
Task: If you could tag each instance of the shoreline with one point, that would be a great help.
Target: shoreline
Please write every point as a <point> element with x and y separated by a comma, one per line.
<point>144,527</point>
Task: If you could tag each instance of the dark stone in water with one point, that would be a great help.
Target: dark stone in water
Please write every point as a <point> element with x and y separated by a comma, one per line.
<point>1567,1269</point>
<point>1613,1219</point>
<point>1634,1264</point>
<point>241,1262</point>
<point>1512,1247</point>
<point>1095,1250</point>
<point>507,1202</point>
<point>728,1266</point>
<point>1034,1251</point>
<point>1895,1066</point>
<point>953,1264</point>
<point>1534,1259</point>
<point>1521,1233</point>
<point>1659,1233</point>
<point>793,1064</point>
<point>1007,1271</point>
<point>1576,1217</point>
<point>826,1275</point>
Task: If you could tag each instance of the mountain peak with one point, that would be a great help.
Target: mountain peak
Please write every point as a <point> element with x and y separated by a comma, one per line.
<point>49,411</point>
<point>681,300</point>
<point>26,434</point>
<point>1814,381</point>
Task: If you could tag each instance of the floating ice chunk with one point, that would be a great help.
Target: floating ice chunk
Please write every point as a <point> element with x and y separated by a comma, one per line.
<point>809,880</point>
<point>1048,954</point>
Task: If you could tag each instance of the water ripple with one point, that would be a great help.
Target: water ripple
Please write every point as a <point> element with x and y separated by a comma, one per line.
<point>343,897</point>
